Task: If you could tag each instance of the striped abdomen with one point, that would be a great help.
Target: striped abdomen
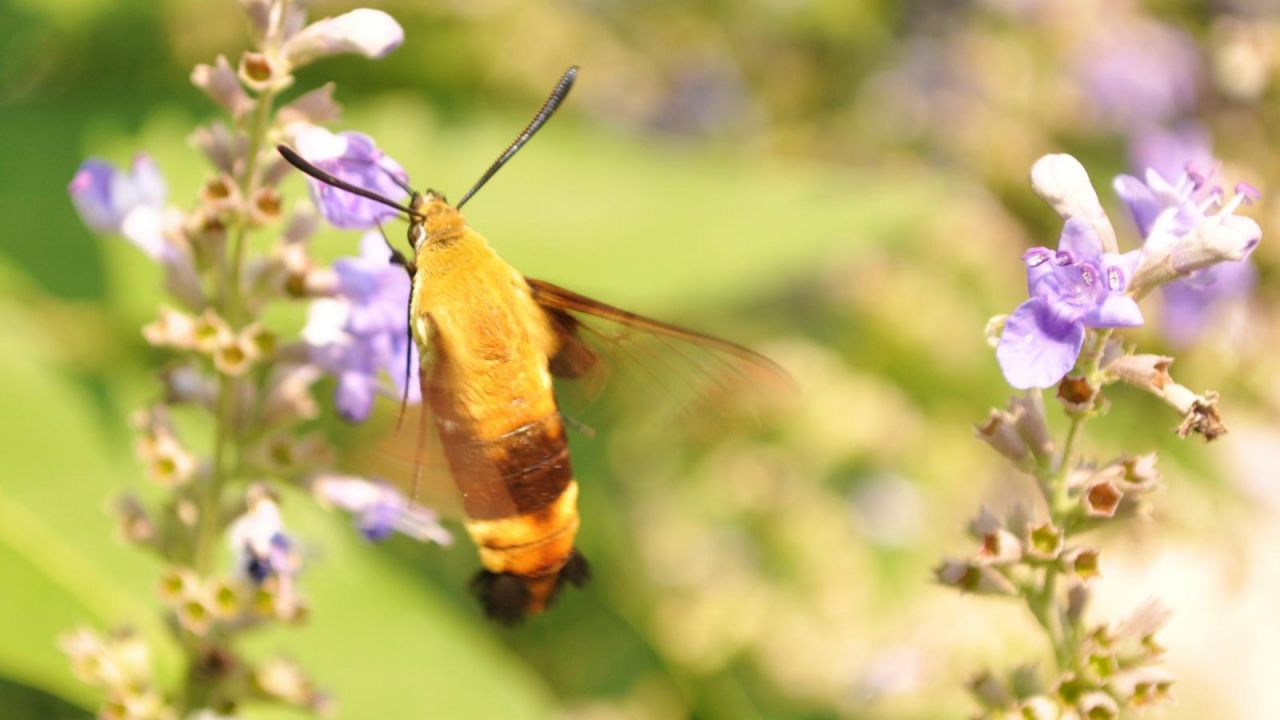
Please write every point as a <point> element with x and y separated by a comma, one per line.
<point>519,496</point>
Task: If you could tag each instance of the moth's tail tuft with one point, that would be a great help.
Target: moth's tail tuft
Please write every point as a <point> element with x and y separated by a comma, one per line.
<point>508,598</point>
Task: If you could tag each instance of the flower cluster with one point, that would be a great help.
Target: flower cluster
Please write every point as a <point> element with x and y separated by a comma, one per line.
<point>1188,227</point>
<point>251,382</point>
<point>1062,335</point>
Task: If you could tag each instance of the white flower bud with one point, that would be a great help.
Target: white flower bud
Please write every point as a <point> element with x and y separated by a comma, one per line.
<point>371,33</point>
<point>1064,183</point>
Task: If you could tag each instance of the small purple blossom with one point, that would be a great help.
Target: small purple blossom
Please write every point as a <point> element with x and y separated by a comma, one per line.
<point>353,157</point>
<point>131,204</point>
<point>1185,205</point>
<point>261,547</point>
<point>365,329</point>
<point>380,509</point>
<point>1168,212</point>
<point>1077,286</point>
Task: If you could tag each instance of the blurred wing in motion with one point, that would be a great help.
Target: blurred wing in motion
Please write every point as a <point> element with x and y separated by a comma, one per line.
<point>663,367</point>
<point>407,451</point>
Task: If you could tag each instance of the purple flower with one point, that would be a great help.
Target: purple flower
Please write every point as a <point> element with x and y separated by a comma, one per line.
<point>380,509</point>
<point>1076,287</point>
<point>353,157</point>
<point>131,204</point>
<point>1168,213</point>
<point>365,329</point>
<point>261,547</point>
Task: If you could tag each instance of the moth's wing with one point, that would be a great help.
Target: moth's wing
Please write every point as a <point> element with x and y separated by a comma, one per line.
<point>662,367</point>
<point>406,449</point>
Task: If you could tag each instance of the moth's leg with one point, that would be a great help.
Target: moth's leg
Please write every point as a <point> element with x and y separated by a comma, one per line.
<point>397,257</point>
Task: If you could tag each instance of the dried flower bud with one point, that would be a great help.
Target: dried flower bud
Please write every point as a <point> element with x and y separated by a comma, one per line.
<point>1081,562</point>
<point>1140,472</point>
<point>1076,394</point>
<point>220,195</point>
<point>261,73</point>
<point>1142,686</point>
<point>237,353</point>
<point>1063,182</point>
<point>169,463</point>
<point>288,394</point>
<point>282,679</point>
<point>211,331</point>
<point>1097,705</point>
<point>316,107</point>
<point>1029,419</point>
<point>1000,433</point>
<point>194,614</point>
<point>1102,664</point>
<point>225,150</point>
<point>206,233</point>
<point>973,578</point>
<point>1139,630</point>
<point>264,206</point>
<point>1043,541</point>
<point>1039,707</point>
<point>171,328</point>
<point>224,599</point>
<point>177,584</point>
<point>259,14</point>
<point>1101,499</point>
<point>220,83</point>
<point>1000,547</point>
<point>1151,373</point>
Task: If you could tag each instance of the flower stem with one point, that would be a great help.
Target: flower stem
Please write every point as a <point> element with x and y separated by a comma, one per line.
<point>232,309</point>
<point>1044,602</point>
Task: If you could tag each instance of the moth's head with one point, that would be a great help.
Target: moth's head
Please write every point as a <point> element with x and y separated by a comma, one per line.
<point>433,219</point>
<point>508,598</point>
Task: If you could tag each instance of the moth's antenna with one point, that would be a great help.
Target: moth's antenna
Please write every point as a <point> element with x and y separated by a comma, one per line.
<point>296,160</point>
<point>544,113</point>
<point>395,179</point>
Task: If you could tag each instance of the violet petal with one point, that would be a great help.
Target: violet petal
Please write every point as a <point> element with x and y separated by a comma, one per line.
<point>1036,349</point>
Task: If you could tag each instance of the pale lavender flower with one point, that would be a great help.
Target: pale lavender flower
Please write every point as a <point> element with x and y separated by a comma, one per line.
<point>1139,72</point>
<point>365,329</point>
<point>1192,301</point>
<point>131,204</point>
<point>260,545</point>
<point>1076,287</point>
<point>1166,212</point>
<point>353,157</point>
<point>380,509</point>
<point>371,33</point>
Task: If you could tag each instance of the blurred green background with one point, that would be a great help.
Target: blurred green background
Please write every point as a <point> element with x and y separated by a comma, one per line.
<point>840,184</point>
